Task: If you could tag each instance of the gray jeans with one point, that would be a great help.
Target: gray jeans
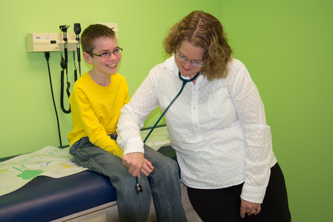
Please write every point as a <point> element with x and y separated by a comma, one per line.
<point>163,183</point>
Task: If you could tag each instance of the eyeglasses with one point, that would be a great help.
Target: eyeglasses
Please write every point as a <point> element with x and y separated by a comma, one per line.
<point>185,59</point>
<point>106,55</point>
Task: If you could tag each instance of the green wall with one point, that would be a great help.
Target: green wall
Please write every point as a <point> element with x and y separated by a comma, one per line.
<point>286,45</point>
<point>28,120</point>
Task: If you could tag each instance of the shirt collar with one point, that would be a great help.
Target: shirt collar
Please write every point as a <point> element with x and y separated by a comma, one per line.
<point>171,65</point>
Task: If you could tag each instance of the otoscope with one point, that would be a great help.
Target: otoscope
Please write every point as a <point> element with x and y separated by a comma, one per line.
<point>64,63</point>
<point>77,30</point>
<point>64,28</point>
<point>138,187</point>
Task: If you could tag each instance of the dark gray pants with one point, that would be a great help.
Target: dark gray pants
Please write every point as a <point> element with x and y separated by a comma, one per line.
<point>224,204</point>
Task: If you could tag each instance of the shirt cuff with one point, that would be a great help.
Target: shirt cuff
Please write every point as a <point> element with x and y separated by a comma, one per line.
<point>253,194</point>
<point>133,145</point>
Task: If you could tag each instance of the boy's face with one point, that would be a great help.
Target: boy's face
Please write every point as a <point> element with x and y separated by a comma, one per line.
<point>103,65</point>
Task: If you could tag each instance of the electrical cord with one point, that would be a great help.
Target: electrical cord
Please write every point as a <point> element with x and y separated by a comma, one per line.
<point>47,56</point>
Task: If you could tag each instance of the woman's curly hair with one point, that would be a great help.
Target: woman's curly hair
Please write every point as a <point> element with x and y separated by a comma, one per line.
<point>202,30</point>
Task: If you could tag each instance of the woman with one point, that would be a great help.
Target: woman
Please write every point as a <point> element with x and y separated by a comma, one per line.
<point>217,126</point>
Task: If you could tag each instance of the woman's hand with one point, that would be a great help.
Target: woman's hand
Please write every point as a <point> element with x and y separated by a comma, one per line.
<point>147,168</point>
<point>249,208</point>
<point>134,162</point>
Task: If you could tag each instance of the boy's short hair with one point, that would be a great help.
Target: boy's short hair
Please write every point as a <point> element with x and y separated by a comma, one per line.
<point>91,33</point>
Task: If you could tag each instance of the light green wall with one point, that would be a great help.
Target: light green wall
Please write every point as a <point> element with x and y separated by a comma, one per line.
<point>286,45</point>
<point>28,120</point>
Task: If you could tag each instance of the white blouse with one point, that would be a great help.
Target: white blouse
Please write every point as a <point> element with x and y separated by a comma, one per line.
<point>218,128</point>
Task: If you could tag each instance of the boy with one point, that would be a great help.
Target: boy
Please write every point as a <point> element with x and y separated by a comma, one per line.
<point>96,101</point>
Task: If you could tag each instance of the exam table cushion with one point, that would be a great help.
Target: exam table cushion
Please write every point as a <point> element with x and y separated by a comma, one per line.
<point>46,198</point>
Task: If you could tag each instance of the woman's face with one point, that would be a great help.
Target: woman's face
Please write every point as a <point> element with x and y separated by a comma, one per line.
<point>192,55</point>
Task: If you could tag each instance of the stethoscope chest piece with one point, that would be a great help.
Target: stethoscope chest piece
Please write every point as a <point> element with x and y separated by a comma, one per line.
<point>138,188</point>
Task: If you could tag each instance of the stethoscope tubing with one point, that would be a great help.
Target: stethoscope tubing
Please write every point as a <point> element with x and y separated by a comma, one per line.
<point>180,91</point>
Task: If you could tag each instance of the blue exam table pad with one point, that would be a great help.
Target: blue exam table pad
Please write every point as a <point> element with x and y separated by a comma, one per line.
<point>45,198</point>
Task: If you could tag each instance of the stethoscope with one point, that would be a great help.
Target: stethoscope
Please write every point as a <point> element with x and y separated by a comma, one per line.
<point>138,187</point>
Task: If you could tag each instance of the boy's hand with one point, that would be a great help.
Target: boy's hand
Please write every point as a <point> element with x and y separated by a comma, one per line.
<point>134,162</point>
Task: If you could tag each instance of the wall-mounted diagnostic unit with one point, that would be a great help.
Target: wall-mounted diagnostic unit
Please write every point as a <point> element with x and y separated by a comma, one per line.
<point>49,42</point>
<point>54,42</point>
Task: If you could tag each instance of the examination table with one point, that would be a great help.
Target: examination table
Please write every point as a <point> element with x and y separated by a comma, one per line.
<point>64,199</point>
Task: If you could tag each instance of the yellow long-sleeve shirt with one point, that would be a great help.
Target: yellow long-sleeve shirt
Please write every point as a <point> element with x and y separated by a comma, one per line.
<point>96,110</point>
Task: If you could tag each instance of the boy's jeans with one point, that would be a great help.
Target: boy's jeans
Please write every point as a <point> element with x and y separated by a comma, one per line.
<point>163,183</point>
